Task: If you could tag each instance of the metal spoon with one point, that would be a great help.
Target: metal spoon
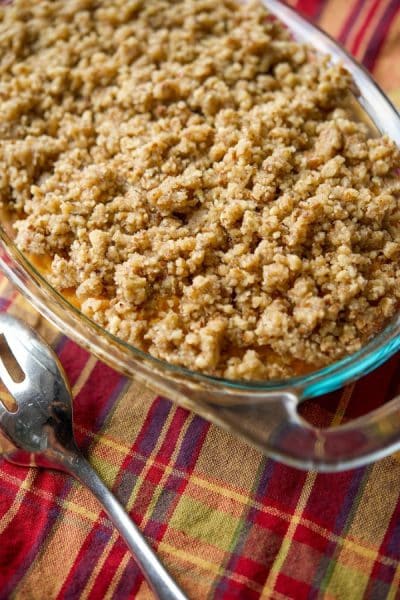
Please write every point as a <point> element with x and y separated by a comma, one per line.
<point>40,431</point>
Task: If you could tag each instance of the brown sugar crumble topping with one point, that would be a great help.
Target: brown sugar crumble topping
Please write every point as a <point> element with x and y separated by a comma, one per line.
<point>199,180</point>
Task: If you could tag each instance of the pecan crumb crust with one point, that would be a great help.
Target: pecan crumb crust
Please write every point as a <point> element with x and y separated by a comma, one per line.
<point>199,179</point>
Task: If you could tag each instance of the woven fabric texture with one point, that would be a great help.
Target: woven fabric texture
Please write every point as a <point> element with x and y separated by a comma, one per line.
<point>227,521</point>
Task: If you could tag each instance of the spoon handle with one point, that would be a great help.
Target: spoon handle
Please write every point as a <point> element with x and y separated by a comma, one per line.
<point>158,578</point>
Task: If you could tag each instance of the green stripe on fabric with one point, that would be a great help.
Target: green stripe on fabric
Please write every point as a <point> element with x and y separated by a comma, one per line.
<point>199,521</point>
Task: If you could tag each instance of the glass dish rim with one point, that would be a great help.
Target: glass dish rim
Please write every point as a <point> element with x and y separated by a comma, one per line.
<point>378,349</point>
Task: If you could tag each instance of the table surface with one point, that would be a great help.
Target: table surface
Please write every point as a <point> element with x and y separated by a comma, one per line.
<point>227,521</point>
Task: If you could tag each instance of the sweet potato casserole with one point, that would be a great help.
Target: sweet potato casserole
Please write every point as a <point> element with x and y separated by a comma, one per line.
<point>198,180</point>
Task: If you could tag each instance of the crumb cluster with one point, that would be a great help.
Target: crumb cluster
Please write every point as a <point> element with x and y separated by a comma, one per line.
<point>199,180</point>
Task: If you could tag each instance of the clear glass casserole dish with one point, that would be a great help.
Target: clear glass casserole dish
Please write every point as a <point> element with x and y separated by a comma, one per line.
<point>263,413</point>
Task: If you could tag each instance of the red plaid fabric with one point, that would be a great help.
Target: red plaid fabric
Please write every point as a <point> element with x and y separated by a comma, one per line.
<point>227,521</point>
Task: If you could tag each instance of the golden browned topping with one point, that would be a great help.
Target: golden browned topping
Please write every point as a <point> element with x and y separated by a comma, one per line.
<point>199,179</point>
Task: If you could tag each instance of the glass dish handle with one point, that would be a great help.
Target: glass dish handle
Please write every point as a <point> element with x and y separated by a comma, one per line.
<point>274,425</point>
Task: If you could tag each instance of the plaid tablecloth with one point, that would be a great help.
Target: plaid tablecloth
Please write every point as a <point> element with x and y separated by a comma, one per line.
<point>227,521</point>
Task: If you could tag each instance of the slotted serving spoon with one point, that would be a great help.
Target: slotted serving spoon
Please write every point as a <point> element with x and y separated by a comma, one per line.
<point>40,432</point>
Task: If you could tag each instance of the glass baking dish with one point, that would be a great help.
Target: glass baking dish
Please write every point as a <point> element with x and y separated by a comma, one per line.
<point>263,413</point>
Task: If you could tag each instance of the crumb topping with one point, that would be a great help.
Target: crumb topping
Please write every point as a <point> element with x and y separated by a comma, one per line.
<point>199,179</point>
